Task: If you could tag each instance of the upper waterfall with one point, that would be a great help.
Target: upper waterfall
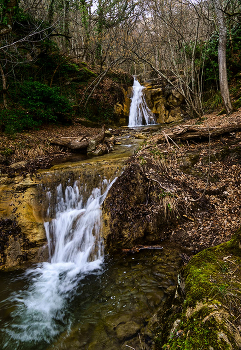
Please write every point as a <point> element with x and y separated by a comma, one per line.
<point>140,114</point>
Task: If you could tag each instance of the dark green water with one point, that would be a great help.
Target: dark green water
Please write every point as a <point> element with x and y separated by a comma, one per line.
<point>112,308</point>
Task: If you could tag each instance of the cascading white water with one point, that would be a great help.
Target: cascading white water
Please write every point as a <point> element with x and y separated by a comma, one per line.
<point>75,248</point>
<point>139,111</point>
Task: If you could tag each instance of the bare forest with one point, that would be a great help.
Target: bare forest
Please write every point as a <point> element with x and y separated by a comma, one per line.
<point>175,40</point>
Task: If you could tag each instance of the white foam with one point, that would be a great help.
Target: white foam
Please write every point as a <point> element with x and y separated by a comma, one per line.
<point>139,111</point>
<point>76,247</point>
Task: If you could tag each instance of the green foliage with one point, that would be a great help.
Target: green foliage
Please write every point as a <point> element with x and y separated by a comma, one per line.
<point>237,104</point>
<point>142,161</point>
<point>198,53</point>
<point>7,152</point>
<point>98,112</point>
<point>16,120</point>
<point>164,194</point>
<point>211,60</point>
<point>38,104</point>
<point>21,16</point>
<point>214,100</point>
<point>85,74</point>
<point>44,102</point>
<point>52,67</point>
<point>156,152</point>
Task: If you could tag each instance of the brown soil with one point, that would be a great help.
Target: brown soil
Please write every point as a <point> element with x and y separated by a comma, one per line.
<point>213,171</point>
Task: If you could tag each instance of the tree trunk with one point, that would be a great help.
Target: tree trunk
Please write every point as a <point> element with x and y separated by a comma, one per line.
<point>223,78</point>
<point>4,82</point>
<point>66,25</point>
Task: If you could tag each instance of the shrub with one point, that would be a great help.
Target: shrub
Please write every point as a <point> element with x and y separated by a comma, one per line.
<point>39,104</point>
<point>15,120</point>
<point>43,102</point>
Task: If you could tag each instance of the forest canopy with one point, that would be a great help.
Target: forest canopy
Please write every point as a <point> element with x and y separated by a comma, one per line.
<point>193,45</point>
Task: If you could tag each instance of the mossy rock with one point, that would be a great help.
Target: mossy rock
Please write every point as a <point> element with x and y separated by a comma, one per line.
<point>210,314</point>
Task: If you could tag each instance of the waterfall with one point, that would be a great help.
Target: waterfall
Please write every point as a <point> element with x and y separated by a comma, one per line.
<point>75,248</point>
<point>140,114</point>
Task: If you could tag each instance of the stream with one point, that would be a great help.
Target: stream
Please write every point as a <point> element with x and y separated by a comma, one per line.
<point>81,298</point>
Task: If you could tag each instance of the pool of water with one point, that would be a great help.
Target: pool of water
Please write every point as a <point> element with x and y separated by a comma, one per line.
<point>109,308</point>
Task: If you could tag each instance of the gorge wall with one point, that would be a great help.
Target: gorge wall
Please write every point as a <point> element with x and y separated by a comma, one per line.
<point>167,104</point>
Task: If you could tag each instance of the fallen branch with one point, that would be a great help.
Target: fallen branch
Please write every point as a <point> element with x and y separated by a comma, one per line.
<point>192,132</point>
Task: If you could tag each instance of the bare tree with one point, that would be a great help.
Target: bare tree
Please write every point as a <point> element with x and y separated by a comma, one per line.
<point>223,77</point>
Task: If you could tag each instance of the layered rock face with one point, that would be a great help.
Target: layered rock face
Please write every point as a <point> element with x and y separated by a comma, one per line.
<point>22,234</point>
<point>122,110</point>
<point>167,104</point>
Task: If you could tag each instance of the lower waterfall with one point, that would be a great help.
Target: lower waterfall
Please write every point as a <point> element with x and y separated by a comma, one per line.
<point>140,114</point>
<point>75,249</point>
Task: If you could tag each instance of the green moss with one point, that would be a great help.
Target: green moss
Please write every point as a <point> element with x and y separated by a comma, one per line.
<point>212,298</point>
<point>195,336</point>
<point>213,100</point>
<point>237,104</point>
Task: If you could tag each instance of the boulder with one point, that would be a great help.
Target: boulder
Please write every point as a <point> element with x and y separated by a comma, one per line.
<point>204,309</point>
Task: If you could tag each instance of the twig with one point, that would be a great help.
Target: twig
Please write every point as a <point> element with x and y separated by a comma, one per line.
<point>162,187</point>
<point>140,341</point>
<point>173,142</point>
<point>165,135</point>
<point>130,347</point>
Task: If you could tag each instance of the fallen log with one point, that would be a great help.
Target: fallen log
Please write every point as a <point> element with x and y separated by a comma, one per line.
<point>194,132</point>
<point>100,137</point>
<point>80,143</point>
<point>72,143</point>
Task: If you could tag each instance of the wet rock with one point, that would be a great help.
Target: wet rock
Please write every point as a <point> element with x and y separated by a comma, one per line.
<point>108,133</point>
<point>18,165</point>
<point>92,146</point>
<point>127,330</point>
<point>122,110</point>
<point>23,201</point>
<point>100,150</point>
<point>140,136</point>
<point>13,252</point>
